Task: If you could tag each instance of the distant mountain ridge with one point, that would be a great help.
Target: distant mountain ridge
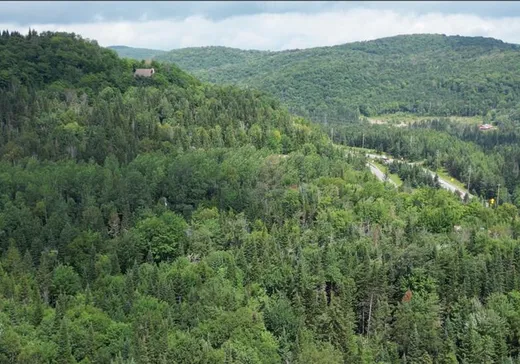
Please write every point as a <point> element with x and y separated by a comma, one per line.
<point>427,74</point>
<point>136,53</point>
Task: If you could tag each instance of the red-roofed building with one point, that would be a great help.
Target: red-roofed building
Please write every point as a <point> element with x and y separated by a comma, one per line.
<point>486,127</point>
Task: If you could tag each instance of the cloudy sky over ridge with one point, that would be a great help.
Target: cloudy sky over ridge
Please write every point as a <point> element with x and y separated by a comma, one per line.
<point>260,25</point>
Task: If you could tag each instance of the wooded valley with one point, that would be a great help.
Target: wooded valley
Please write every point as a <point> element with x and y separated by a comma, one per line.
<point>170,220</point>
<point>423,74</point>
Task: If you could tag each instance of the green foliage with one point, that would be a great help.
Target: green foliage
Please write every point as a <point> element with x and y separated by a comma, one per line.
<point>65,281</point>
<point>161,236</point>
<point>171,221</point>
<point>61,62</point>
<point>136,53</point>
<point>421,74</point>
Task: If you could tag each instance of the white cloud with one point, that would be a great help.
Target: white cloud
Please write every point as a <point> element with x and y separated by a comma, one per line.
<point>285,31</point>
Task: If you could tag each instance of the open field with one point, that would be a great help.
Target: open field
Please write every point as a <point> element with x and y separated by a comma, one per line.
<point>404,119</point>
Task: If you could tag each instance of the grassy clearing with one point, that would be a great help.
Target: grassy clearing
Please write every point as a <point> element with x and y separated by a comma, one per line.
<point>404,118</point>
<point>445,176</point>
<point>360,150</point>
<point>395,178</point>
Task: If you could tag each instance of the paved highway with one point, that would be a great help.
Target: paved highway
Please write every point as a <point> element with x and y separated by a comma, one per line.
<point>379,174</point>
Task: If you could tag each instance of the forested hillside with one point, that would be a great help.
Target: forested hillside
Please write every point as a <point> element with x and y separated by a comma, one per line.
<point>433,75</point>
<point>166,220</point>
<point>57,62</point>
<point>136,53</point>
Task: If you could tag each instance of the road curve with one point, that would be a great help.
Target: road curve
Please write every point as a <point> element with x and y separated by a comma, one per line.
<point>449,186</point>
<point>379,174</point>
<point>444,184</point>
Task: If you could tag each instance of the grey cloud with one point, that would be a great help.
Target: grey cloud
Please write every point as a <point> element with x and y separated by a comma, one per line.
<point>285,31</point>
<point>68,12</point>
<point>72,12</point>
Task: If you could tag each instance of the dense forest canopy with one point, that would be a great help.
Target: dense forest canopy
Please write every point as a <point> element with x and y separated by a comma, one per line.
<point>166,220</point>
<point>57,61</point>
<point>423,74</point>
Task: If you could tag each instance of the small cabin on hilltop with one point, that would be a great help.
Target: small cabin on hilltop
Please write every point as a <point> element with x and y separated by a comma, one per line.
<point>144,72</point>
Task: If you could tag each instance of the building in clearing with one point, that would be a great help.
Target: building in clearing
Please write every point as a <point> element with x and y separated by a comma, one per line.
<point>144,72</point>
<point>485,127</point>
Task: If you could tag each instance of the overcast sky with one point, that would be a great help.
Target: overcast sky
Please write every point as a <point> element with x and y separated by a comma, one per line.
<point>262,25</point>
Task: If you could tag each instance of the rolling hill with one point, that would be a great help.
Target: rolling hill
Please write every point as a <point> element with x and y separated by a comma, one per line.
<point>421,74</point>
<point>166,220</point>
<point>136,53</point>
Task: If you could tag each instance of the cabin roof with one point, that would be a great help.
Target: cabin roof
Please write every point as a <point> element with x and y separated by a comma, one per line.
<point>145,72</point>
